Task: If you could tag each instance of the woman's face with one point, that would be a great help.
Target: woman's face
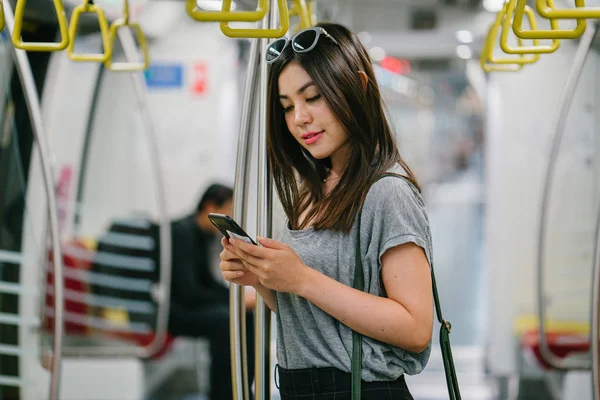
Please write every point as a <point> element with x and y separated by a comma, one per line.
<point>308,117</point>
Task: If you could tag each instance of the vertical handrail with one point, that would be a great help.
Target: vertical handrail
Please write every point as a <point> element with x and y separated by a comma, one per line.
<point>239,367</point>
<point>595,334</point>
<point>263,223</point>
<point>35,113</point>
<point>164,290</point>
<point>559,127</point>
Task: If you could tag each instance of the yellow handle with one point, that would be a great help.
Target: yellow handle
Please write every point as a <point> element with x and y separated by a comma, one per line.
<point>82,9</point>
<point>284,25</point>
<point>227,14</point>
<point>1,16</point>
<point>127,66</point>
<point>63,26</point>
<point>300,9</point>
<point>553,33</point>
<point>488,67</point>
<point>488,49</point>
<point>548,10</point>
<point>492,37</point>
<point>536,48</point>
<point>311,6</point>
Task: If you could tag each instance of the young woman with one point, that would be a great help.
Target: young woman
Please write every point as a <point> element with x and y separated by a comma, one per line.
<point>329,144</point>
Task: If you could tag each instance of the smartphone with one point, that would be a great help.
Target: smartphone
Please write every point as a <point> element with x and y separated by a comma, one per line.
<point>229,228</point>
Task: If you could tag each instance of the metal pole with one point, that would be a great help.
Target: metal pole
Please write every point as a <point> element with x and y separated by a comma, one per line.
<point>575,362</point>
<point>595,334</point>
<point>35,113</point>
<point>263,224</point>
<point>164,290</point>
<point>239,366</point>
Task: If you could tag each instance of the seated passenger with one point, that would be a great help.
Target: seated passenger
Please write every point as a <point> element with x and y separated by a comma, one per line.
<point>199,296</point>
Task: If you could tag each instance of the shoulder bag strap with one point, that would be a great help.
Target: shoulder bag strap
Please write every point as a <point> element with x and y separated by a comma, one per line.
<point>451,378</point>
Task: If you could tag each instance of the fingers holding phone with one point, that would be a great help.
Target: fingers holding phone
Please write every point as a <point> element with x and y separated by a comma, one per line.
<point>232,268</point>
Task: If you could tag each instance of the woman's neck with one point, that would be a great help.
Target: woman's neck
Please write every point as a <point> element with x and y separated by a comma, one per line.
<point>339,161</point>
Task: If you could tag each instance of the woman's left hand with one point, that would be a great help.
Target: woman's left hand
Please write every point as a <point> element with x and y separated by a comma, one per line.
<point>275,264</point>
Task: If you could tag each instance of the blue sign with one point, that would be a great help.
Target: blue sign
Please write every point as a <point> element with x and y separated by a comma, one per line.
<point>164,76</point>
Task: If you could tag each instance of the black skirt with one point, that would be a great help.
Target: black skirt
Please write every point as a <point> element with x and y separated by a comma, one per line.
<point>333,384</point>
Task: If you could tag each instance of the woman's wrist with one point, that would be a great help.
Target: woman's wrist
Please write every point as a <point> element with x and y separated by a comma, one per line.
<point>305,278</point>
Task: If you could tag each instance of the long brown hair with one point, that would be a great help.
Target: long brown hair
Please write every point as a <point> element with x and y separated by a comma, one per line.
<point>334,70</point>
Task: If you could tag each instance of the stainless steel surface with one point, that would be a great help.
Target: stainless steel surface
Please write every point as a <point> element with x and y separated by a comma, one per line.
<point>263,224</point>
<point>595,334</point>
<point>237,305</point>
<point>35,114</point>
<point>576,361</point>
<point>163,290</point>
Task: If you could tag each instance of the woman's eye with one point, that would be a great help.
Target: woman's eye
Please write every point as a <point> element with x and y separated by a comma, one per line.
<point>288,108</point>
<point>314,98</point>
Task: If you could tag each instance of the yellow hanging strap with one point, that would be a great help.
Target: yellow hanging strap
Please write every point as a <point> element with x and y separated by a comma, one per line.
<point>127,66</point>
<point>501,17</point>
<point>506,27</point>
<point>311,6</point>
<point>554,32</point>
<point>89,7</point>
<point>63,26</point>
<point>547,10</point>
<point>300,9</point>
<point>487,60</point>
<point>2,22</point>
<point>486,65</point>
<point>284,24</point>
<point>223,15</point>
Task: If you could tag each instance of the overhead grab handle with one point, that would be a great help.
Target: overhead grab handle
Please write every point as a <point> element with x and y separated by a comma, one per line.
<point>114,28</point>
<point>488,47</point>
<point>284,25</point>
<point>493,36</point>
<point>89,7</point>
<point>226,14</point>
<point>547,10</point>
<point>536,48</point>
<point>2,23</point>
<point>555,32</point>
<point>63,26</point>
<point>300,9</point>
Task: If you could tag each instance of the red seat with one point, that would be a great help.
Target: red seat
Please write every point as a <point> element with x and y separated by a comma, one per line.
<point>79,308</point>
<point>561,344</point>
<point>73,285</point>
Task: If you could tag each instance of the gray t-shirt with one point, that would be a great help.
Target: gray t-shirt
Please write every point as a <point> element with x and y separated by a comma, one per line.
<point>307,337</point>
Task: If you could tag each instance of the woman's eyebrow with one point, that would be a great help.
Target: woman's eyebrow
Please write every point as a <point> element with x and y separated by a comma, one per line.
<point>299,91</point>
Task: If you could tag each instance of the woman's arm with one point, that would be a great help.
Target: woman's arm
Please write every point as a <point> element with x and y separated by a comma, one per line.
<point>404,319</point>
<point>268,296</point>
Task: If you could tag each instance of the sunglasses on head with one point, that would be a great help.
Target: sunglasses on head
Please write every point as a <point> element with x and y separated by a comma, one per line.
<point>302,42</point>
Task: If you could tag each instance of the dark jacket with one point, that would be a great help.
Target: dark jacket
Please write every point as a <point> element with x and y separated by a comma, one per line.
<point>192,283</point>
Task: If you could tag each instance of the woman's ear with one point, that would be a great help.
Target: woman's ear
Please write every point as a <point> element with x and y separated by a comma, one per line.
<point>364,79</point>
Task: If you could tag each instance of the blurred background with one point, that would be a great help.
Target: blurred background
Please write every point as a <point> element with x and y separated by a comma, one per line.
<point>508,163</point>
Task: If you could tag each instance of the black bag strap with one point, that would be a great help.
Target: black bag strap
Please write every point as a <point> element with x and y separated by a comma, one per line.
<point>359,283</point>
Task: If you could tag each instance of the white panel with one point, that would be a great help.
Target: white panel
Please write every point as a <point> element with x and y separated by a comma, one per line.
<point>521,112</point>
<point>102,379</point>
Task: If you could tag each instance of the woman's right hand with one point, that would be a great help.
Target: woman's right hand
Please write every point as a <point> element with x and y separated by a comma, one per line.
<point>233,270</point>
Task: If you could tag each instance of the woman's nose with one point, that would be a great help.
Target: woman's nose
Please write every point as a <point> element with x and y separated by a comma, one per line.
<point>302,116</point>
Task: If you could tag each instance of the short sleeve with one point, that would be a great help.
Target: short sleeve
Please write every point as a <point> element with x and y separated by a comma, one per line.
<point>393,214</point>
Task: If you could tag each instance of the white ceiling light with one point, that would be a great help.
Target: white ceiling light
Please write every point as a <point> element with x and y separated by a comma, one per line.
<point>464,51</point>
<point>212,5</point>
<point>493,5</point>
<point>377,54</point>
<point>365,37</point>
<point>464,36</point>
